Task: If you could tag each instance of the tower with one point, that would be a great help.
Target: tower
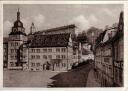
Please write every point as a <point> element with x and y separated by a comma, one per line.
<point>16,38</point>
<point>32,31</point>
<point>32,28</point>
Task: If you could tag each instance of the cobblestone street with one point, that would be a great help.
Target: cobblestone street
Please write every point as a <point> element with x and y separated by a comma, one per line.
<point>80,77</point>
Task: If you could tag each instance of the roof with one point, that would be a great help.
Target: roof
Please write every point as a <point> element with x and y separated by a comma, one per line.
<point>54,40</point>
<point>56,29</point>
<point>17,32</point>
<point>18,23</point>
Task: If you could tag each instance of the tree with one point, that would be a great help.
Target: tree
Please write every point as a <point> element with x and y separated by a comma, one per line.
<point>82,37</point>
<point>92,34</point>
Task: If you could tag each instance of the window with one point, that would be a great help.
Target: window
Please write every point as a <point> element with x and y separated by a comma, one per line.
<point>44,56</point>
<point>32,56</point>
<point>44,50</point>
<point>49,50</point>
<point>16,50</point>
<point>11,64</point>
<point>37,64</point>
<point>12,57</point>
<point>14,29</point>
<point>16,43</point>
<point>11,44</point>
<point>63,50</point>
<point>63,64</point>
<point>63,56</point>
<point>33,50</point>
<point>37,56</point>
<point>50,56</point>
<point>33,64</point>
<point>38,50</point>
<point>57,56</point>
<point>121,27</point>
<point>12,50</point>
<point>57,49</point>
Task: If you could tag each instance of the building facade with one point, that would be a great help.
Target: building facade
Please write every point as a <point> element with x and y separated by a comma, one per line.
<point>109,56</point>
<point>119,51</point>
<point>16,38</point>
<point>50,52</point>
<point>38,51</point>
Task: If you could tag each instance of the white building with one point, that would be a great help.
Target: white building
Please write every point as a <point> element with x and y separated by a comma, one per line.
<point>50,52</point>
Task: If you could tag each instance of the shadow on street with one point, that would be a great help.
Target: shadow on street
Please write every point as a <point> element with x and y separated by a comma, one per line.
<point>73,78</point>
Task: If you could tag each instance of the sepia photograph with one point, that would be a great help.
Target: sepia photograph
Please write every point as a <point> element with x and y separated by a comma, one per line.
<point>63,45</point>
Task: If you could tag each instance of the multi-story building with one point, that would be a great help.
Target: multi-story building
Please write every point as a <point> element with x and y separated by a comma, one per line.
<point>118,53</point>
<point>50,52</point>
<point>16,38</point>
<point>104,60</point>
<point>109,56</point>
<point>38,51</point>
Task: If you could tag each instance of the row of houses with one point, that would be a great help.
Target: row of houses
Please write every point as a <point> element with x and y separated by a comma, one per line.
<point>109,55</point>
<point>51,49</point>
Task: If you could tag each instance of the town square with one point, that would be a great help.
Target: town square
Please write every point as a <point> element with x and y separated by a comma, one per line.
<point>78,45</point>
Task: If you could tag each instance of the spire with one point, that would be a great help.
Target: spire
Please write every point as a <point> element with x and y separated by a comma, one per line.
<point>32,28</point>
<point>18,15</point>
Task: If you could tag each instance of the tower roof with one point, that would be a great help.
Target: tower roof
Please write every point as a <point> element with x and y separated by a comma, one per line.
<point>18,23</point>
<point>18,26</point>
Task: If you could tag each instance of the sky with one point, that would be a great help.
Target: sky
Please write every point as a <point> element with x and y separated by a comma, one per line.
<point>47,16</point>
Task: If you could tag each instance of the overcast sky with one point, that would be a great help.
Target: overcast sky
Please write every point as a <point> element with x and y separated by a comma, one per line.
<point>49,16</point>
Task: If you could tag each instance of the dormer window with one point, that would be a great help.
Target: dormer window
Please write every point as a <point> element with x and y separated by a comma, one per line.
<point>121,27</point>
<point>19,29</point>
<point>14,29</point>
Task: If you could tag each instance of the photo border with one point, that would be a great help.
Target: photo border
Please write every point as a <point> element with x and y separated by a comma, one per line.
<point>125,3</point>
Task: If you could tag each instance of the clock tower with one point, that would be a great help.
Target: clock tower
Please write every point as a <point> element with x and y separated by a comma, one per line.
<point>16,38</point>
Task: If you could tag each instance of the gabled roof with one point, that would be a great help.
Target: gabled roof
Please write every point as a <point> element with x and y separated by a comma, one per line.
<point>54,40</point>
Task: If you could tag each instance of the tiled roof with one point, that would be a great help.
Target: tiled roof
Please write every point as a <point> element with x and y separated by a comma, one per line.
<point>54,40</point>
